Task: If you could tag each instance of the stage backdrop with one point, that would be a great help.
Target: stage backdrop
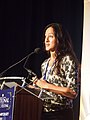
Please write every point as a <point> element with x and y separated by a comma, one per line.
<point>21,27</point>
<point>85,67</point>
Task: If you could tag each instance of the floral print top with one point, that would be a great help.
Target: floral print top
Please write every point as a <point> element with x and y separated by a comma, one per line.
<point>67,77</point>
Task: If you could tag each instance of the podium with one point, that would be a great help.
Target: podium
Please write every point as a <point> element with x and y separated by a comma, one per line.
<point>28,102</point>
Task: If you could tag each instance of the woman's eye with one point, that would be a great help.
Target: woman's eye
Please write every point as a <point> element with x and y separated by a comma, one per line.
<point>50,36</point>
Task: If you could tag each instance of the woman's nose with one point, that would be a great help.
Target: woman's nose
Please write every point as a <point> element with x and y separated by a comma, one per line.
<point>46,39</point>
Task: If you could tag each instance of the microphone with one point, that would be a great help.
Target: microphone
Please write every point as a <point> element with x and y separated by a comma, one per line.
<point>37,50</point>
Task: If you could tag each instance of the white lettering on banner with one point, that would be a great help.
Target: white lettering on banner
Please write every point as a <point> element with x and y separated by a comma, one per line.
<point>4,114</point>
<point>4,101</point>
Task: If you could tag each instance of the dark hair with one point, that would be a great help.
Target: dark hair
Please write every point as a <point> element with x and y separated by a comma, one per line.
<point>65,43</point>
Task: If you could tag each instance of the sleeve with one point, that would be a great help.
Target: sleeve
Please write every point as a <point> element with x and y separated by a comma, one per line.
<point>70,72</point>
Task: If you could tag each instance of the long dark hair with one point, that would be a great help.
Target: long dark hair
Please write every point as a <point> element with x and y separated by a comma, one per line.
<point>65,44</point>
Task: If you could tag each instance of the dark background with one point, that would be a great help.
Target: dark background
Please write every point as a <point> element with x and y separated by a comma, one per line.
<point>21,27</point>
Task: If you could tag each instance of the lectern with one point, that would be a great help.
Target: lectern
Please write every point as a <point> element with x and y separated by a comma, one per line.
<point>28,101</point>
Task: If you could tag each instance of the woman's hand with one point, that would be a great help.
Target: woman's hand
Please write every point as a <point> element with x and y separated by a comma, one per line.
<point>68,92</point>
<point>41,83</point>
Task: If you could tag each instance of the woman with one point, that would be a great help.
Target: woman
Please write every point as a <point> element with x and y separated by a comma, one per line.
<point>59,74</point>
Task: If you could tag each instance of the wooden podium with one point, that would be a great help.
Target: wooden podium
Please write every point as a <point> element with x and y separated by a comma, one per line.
<point>28,102</point>
<point>27,106</point>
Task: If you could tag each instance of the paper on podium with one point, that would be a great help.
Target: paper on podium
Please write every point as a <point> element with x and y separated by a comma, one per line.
<point>8,82</point>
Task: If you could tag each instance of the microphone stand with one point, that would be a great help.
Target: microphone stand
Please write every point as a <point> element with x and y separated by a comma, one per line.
<point>16,63</point>
<point>29,71</point>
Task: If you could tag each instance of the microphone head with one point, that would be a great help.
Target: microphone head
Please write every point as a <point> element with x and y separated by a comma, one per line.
<point>37,50</point>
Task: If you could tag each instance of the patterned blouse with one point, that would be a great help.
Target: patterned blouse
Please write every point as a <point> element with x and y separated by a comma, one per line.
<point>67,77</point>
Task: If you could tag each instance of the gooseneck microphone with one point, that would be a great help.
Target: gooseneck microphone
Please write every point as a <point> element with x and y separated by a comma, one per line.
<point>37,50</point>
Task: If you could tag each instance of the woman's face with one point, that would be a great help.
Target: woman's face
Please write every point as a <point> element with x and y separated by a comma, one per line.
<point>50,40</point>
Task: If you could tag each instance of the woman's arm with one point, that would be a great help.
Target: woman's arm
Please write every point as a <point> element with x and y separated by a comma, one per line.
<point>64,91</point>
<point>67,88</point>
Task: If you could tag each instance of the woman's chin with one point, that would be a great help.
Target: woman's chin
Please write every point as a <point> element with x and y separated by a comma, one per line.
<point>47,49</point>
